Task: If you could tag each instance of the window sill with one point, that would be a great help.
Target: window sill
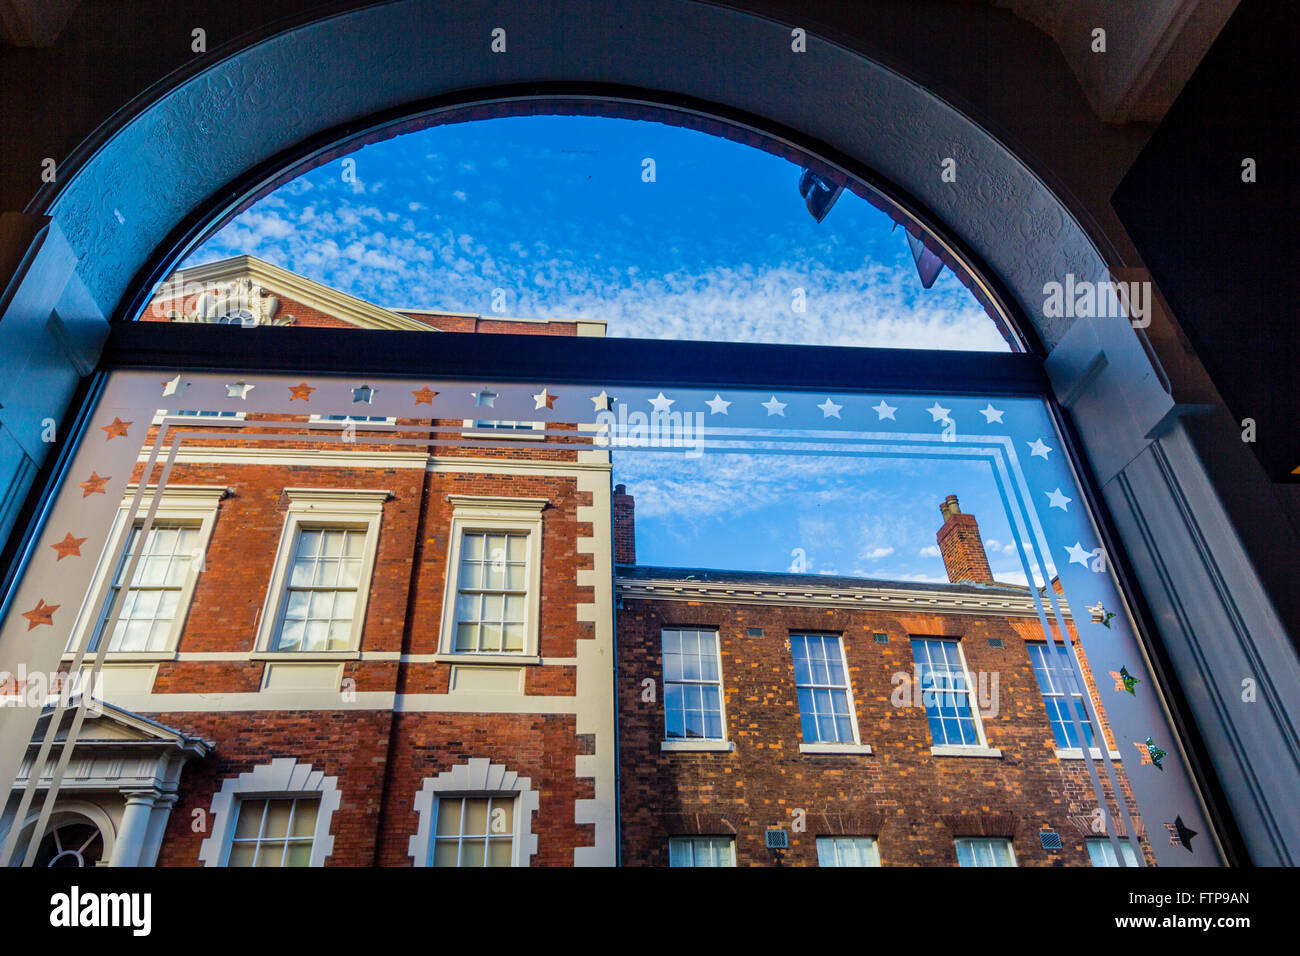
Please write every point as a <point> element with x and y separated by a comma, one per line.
<point>305,656</point>
<point>504,433</point>
<point>389,426</point>
<point>513,660</point>
<point>949,750</point>
<point>696,746</point>
<point>122,657</point>
<point>844,749</point>
<point>1075,753</point>
<point>200,421</point>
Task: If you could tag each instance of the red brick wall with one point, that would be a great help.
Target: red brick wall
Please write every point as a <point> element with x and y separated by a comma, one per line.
<point>914,802</point>
<point>624,506</point>
<point>962,548</point>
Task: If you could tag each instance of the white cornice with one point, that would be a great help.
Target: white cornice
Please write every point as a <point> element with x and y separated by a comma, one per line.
<point>290,285</point>
<point>484,503</point>
<point>872,598</point>
<point>357,458</point>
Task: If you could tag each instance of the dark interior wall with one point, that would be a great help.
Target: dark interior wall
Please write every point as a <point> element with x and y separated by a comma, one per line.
<point>1220,249</point>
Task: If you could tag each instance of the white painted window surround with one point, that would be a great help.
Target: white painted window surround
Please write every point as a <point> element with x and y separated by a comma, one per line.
<point>313,509</point>
<point>282,777</point>
<point>473,514</point>
<point>502,428</point>
<point>478,776</point>
<point>191,505</point>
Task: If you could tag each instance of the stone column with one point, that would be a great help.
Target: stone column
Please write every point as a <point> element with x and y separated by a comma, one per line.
<point>134,829</point>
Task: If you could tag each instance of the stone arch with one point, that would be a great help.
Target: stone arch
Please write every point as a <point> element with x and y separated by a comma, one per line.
<point>110,219</point>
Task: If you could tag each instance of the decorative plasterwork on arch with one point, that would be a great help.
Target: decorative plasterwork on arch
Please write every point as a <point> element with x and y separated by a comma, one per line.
<point>282,777</point>
<point>478,777</point>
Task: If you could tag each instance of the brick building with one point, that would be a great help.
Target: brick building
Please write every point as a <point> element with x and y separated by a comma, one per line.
<point>875,722</point>
<point>403,652</point>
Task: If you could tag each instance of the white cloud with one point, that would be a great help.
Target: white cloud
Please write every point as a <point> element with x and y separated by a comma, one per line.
<point>929,551</point>
<point>877,553</point>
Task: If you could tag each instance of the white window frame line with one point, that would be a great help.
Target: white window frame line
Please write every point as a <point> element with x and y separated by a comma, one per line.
<point>282,778</point>
<point>537,432</point>
<point>875,846</point>
<point>1010,842</point>
<point>982,749</point>
<point>190,503</point>
<point>329,508</point>
<point>845,748</point>
<point>729,839</point>
<point>389,424</point>
<point>477,777</point>
<point>1104,843</point>
<point>492,514</point>
<point>685,744</point>
<point>1071,753</point>
<point>168,417</point>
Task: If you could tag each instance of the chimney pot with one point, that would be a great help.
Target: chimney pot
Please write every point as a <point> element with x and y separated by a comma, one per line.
<point>962,547</point>
<point>624,516</point>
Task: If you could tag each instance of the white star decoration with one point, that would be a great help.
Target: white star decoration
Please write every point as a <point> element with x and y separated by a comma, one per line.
<point>602,401</point>
<point>543,399</point>
<point>1058,500</point>
<point>660,403</point>
<point>718,406</point>
<point>1079,554</point>
<point>885,410</point>
<point>992,414</point>
<point>830,409</point>
<point>485,397</point>
<point>938,413</point>
<point>1038,449</point>
<point>172,386</point>
<point>239,389</point>
<point>774,407</point>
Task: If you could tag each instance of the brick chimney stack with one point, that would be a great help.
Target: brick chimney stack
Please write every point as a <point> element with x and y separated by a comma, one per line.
<point>624,507</point>
<point>961,546</point>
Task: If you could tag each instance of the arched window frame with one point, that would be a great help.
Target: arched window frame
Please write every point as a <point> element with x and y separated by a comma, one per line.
<point>282,777</point>
<point>476,777</point>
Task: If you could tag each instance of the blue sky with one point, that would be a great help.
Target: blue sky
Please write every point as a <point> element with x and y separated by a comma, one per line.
<point>554,212</point>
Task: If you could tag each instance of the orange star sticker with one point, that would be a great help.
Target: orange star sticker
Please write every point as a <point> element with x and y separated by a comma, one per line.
<point>118,427</point>
<point>41,614</point>
<point>424,396</point>
<point>94,485</point>
<point>302,391</point>
<point>68,547</point>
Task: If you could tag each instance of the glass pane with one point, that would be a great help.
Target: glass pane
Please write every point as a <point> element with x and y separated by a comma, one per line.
<point>304,818</point>
<point>299,855</point>
<point>277,818</point>
<point>242,854</point>
<point>499,853</point>
<point>476,816</point>
<point>715,591</point>
<point>446,853</point>
<point>250,818</point>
